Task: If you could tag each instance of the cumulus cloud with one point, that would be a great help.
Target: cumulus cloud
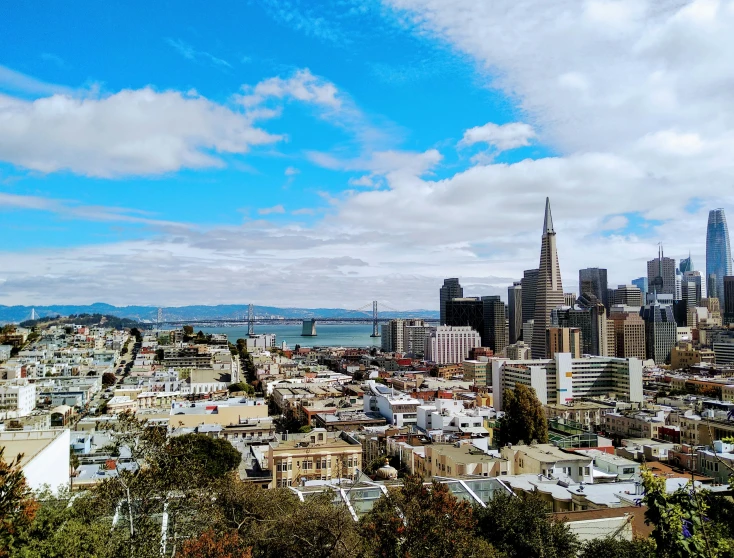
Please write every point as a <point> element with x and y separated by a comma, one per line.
<point>301,86</point>
<point>501,137</point>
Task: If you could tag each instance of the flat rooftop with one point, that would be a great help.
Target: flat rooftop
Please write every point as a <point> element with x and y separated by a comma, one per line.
<point>30,443</point>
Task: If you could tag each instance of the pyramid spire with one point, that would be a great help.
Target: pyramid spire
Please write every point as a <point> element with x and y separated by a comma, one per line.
<point>548,222</point>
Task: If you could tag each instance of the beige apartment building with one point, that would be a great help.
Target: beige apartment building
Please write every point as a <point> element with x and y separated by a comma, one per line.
<point>629,335</point>
<point>447,460</point>
<point>475,371</point>
<point>563,340</point>
<point>318,455</point>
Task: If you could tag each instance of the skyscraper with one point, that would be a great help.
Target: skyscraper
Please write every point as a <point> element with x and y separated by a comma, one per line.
<point>549,290</point>
<point>641,283</point>
<point>593,280</point>
<point>686,264</point>
<point>661,274</point>
<point>529,284</point>
<point>494,335</point>
<point>728,300</point>
<point>467,311</point>
<point>718,254</point>
<point>514,306</point>
<point>451,289</point>
<point>660,331</point>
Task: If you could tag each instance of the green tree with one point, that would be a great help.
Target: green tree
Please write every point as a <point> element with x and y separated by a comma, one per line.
<point>519,527</point>
<point>618,548</point>
<point>524,417</point>
<point>108,379</point>
<point>160,354</point>
<point>418,520</point>
<point>241,386</point>
<point>214,457</point>
<point>17,506</point>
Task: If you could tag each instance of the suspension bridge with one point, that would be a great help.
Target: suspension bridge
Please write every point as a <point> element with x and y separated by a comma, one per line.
<point>372,313</point>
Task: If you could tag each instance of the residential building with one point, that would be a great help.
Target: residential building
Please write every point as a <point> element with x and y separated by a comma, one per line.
<point>640,424</point>
<point>45,460</point>
<point>317,455</point>
<point>450,460</point>
<point>263,341</point>
<point>451,345</point>
<point>660,331</point>
<point>549,289</point>
<point>396,407</point>
<point>718,254</point>
<point>563,378</point>
<point>17,398</point>
<point>549,461</point>
<point>684,355</point>
<point>620,467</point>
<point>529,285</point>
<point>476,371</point>
<point>563,340</point>
<point>405,336</point>
<point>514,307</point>
<point>717,461</point>
<point>588,414</point>
<point>451,289</point>
<point>518,351</point>
<point>593,280</point>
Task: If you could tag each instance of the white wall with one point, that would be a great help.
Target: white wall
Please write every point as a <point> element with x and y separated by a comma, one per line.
<point>51,466</point>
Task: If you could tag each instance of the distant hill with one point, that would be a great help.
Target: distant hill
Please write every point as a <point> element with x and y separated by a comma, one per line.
<point>107,321</point>
<point>16,314</point>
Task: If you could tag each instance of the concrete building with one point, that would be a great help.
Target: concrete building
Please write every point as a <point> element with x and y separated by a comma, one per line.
<point>660,331</point>
<point>661,275</point>
<point>593,281</point>
<point>529,285</point>
<point>396,407</point>
<point>728,317</point>
<point>717,461</point>
<point>628,331</point>
<point>450,460</point>
<point>563,340</point>
<point>405,336</point>
<point>494,318</point>
<point>563,379</point>
<point>262,341</point>
<point>549,461</point>
<point>514,307</point>
<point>590,317</point>
<point>628,295</point>
<point>17,398</point>
<point>451,345</point>
<point>549,289</point>
<point>476,372</point>
<point>318,455</point>
<point>45,460</point>
<point>451,289</point>
<point>518,351</point>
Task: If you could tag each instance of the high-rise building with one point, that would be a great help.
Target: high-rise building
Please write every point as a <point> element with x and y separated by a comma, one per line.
<point>466,311</point>
<point>569,299</point>
<point>404,336</point>
<point>661,275</point>
<point>628,295</point>
<point>514,307</point>
<point>451,289</point>
<point>494,334</point>
<point>641,283</point>
<point>691,289</point>
<point>593,280</point>
<point>451,345</point>
<point>629,335</point>
<point>529,285</point>
<point>590,317</point>
<point>686,264</point>
<point>563,340</point>
<point>660,331</point>
<point>729,300</point>
<point>718,253</point>
<point>549,291</point>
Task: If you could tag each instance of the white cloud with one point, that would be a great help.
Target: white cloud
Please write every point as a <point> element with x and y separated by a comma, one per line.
<point>190,53</point>
<point>270,210</point>
<point>291,171</point>
<point>501,137</point>
<point>301,86</point>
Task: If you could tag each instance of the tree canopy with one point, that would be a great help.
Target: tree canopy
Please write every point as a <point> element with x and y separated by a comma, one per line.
<point>524,418</point>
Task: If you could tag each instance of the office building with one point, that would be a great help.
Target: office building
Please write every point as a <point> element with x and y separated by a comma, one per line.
<point>590,317</point>
<point>527,329</point>
<point>641,283</point>
<point>467,311</point>
<point>529,285</point>
<point>692,288</point>
<point>661,275</point>
<point>514,308</point>
<point>660,331</point>
<point>627,295</point>
<point>628,331</point>
<point>451,289</point>
<point>718,254</point>
<point>495,324</point>
<point>549,290</point>
<point>451,345</point>
<point>686,264</point>
<point>569,299</point>
<point>562,378</point>
<point>404,336</point>
<point>729,300</point>
<point>563,340</point>
<point>593,280</point>
<point>475,371</point>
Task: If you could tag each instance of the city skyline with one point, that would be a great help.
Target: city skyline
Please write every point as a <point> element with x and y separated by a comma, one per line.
<point>318,156</point>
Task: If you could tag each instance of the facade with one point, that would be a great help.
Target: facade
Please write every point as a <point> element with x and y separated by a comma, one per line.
<point>262,341</point>
<point>549,461</point>
<point>451,289</point>
<point>549,290</point>
<point>729,300</point>
<point>641,283</point>
<point>495,324</point>
<point>451,345</point>
<point>529,285</point>
<point>476,371</point>
<point>468,311</point>
<point>395,407</point>
<point>718,254</point>
<point>45,458</point>
<point>628,295</point>
<point>563,340</point>
<point>404,336</point>
<point>518,351</point>
<point>318,455</point>
<point>593,280</point>
<point>514,307</point>
<point>629,335</point>
<point>660,331</point>
<point>569,299</point>
<point>590,317</point>
<point>562,379</point>
<point>447,459</point>
<point>692,288</point>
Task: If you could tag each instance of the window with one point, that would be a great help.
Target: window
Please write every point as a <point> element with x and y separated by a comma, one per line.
<point>628,471</point>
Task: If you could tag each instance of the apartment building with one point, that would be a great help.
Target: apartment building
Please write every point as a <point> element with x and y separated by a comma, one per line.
<point>17,398</point>
<point>444,460</point>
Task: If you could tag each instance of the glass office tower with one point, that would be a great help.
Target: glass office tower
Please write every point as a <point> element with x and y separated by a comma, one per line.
<point>718,253</point>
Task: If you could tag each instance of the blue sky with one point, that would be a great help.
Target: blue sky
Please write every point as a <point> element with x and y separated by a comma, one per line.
<point>353,147</point>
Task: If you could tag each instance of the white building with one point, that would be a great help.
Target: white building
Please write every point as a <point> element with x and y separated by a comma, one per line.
<point>261,341</point>
<point>17,398</point>
<point>449,415</point>
<point>562,379</point>
<point>396,407</point>
<point>45,460</point>
<point>451,344</point>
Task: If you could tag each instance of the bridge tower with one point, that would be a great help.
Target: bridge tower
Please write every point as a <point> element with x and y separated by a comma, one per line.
<point>375,327</point>
<point>159,319</point>
<point>251,321</point>
<point>34,314</point>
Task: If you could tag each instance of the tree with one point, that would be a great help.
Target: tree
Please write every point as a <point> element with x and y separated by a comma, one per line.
<point>618,548</point>
<point>241,386</point>
<point>160,354</point>
<point>108,379</point>
<point>524,417</point>
<point>188,330</point>
<point>214,457</point>
<point>518,526</point>
<point>215,545</point>
<point>417,520</point>
<point>17,506</point>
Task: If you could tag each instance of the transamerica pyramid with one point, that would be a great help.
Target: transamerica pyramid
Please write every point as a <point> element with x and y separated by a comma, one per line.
<point>549,291</point>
